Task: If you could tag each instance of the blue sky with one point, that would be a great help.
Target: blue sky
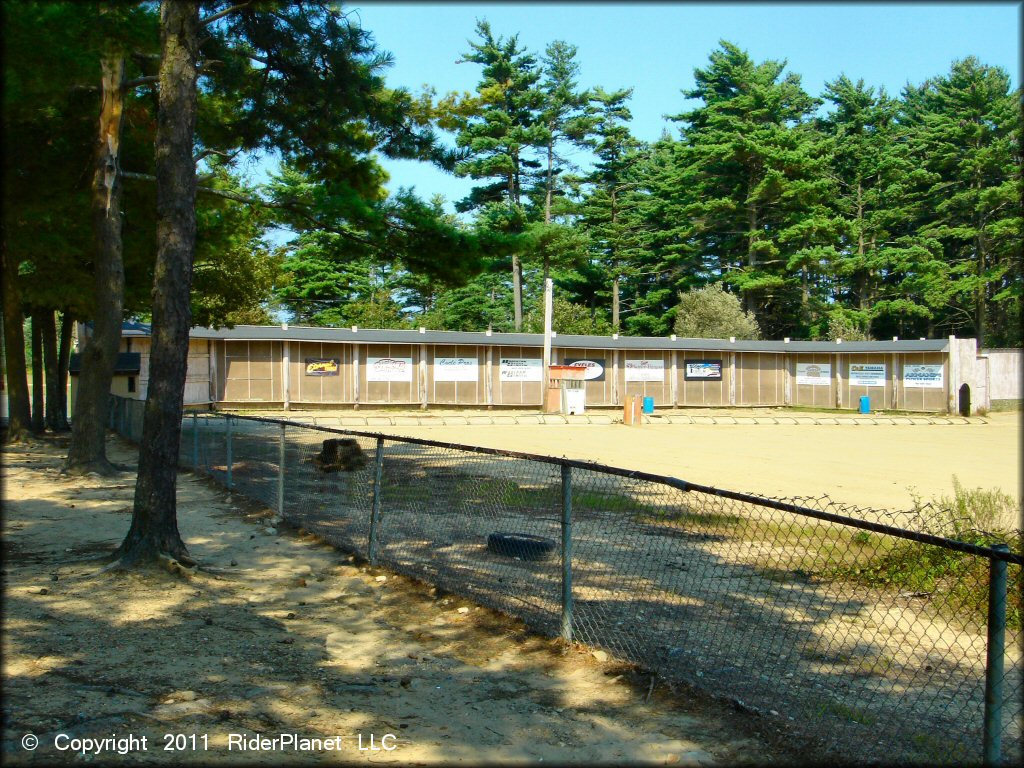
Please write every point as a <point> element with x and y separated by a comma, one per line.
<point>654,48</point>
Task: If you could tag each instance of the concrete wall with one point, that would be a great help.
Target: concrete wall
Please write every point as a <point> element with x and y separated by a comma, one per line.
<point>340,374</point>
<point>1005,374</point>
<point>760,378</point>
<point>411,375</point>
<point>700,387</point>
<point>331,374</point>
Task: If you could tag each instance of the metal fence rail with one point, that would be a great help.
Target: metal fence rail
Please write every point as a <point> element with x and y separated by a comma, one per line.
<point>803,611</point>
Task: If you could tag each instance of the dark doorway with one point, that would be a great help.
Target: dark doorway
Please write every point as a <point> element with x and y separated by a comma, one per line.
<point>965,400</point>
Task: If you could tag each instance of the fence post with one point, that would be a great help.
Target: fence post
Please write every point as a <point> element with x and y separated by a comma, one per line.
<point>195,442</point>
<point>371,551</point>
<point>567,553</point>
<point>227,439</point>
<point>280,473</point>
<point>995,658</point>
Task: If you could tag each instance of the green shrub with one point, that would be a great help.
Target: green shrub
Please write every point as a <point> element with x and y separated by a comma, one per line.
<point>711,313</point>
<point>973,516</point>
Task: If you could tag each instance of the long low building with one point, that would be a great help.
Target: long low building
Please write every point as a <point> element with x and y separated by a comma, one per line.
<point>306,367</point>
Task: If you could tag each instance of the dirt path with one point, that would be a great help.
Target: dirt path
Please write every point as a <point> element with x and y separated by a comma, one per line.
<point>292,637</point>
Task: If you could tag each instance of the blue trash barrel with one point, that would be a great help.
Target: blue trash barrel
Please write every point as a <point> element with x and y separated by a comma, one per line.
<point>865,404</point>
<point>648,405</point>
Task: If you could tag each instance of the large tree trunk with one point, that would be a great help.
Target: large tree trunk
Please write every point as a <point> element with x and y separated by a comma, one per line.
<point>19,417</point>
<point>860,286</point>
<point>67,324</point>
<point>615,304</point>
<point>517,267</point>
<point>48,326</point>
<point>38,425</point>
<point>549,186</point>
<point>517,292</point>
<point>980,292</point>
<point>88,451</point>
<point>154,531</point>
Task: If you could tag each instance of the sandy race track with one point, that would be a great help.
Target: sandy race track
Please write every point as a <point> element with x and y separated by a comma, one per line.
<point>872,465</point>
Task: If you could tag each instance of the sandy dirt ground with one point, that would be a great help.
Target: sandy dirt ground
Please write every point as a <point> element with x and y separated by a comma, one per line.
<point>880,466</point>
<point>286,638</point>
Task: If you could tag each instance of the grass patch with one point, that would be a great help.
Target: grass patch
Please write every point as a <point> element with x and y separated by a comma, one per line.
<point>845,712</point>
<point>505,493</point>
<point>686,518</point>
<point>974,516</point>
<point>610,502</point>
<point>508,493</point>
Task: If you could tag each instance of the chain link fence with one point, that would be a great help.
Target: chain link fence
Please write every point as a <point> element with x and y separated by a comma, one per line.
<point>866,635</point>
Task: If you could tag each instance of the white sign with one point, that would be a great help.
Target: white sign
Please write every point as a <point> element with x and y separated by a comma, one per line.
<point>455,369</point>
<point>815,374</point>
<point>922,376</point>
<point>521,369</point>
<point>595,368</point>
<point>703,370</point>
<point>867,374</point>
<point>645,370</point>
<point>389,369</point>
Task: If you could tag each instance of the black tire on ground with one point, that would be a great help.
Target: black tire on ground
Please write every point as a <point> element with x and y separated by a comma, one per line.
<point>522,545</point>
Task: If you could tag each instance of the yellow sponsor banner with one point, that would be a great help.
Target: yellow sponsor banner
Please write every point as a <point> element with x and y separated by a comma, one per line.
<point>322,366</point>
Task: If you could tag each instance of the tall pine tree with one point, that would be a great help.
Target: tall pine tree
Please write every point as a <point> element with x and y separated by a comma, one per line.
<point>502,139</point>
<point>745,172</point>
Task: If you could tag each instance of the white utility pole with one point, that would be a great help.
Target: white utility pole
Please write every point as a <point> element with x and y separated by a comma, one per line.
<point>547,329</point>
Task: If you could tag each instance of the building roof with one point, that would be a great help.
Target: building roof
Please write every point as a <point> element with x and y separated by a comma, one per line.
<point>376,336</point>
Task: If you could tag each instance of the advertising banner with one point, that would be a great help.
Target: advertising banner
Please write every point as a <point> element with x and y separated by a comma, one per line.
<point>867,374</point>
<point>922,376</point>
<point>316,366</point>
<point>455,369</point>
<point>521,369</point>
<point>594,366</point>
<point>645,370</point>
<point>389,369</point>
<point>703,370</point>
<point>815,374</point>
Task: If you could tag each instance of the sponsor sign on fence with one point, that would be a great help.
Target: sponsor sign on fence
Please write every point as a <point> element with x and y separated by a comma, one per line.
<point>322,366</point>
<point>389,369</point>
<point>703,370</point>
<point>521,369</point>
<point>815,374</point>
<point>922,376</point>
<point>867,374</point>
<point>594,366</point>
<point>645,370</point>
<point>455,369</point>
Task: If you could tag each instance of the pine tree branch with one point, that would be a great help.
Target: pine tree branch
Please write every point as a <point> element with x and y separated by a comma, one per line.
<point>221,14</point>
<point>295,208</point>
<point>127,85</point>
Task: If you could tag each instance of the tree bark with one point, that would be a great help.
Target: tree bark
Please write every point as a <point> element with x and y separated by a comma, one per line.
<point>154,535</point>
<point>862,274</point>
<point>549,185</point>
<point>517,292</point>
<point>749,304</point>
<point>48,326</point>
<point>67,324</point>
<point>19,416</point>
<point>980,293</point>
<point>38,425</point>
<point>88,452</point>
<point>615,304</point>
